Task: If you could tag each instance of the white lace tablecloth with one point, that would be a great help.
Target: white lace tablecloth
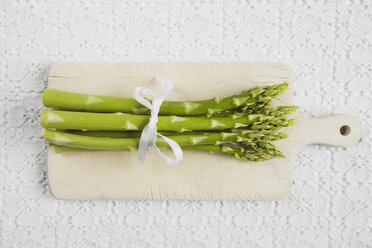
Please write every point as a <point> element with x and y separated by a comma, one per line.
<point>327,42</point>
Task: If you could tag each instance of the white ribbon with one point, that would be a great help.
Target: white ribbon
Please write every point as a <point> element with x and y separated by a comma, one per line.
<point>149,133</point>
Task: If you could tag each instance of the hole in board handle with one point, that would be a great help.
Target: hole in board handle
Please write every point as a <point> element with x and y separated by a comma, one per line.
<point>345,130</point>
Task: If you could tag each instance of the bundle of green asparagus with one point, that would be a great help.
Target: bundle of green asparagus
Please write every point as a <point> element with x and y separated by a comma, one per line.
<point>242,125</point>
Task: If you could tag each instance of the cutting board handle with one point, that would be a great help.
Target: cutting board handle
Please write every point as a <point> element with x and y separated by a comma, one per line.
<point>335,130</point>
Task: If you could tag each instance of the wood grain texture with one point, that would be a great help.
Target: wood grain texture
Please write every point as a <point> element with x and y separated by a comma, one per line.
<point>118,175</point>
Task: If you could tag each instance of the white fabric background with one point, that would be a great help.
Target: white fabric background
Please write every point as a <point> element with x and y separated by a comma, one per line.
<point>329,46</point>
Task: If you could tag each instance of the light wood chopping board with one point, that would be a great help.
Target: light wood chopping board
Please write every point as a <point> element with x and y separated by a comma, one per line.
<point>200,175</point>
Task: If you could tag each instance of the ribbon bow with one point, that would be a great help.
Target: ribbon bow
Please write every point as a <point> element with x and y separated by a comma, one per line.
<point>149,133</point>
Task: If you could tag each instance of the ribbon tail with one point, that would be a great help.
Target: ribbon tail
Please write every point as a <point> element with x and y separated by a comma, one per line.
<point>177,151</point>
<point>143,144</point>
<point>142,152</point>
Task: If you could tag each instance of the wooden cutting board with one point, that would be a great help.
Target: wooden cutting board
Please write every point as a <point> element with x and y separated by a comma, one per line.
<point>200,175</point>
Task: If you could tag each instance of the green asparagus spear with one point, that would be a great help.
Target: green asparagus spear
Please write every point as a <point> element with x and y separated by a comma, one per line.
<point>107,143</point>
<point>93,103</point>
<point>248,108</point>
<point>262,146</point>
<point>273,124</point>
<point>55,119</point>
<point>262,135</point>
<point>241,153</point>
<point>280,111</point>
<point>274,112</point>
<point>120,134</point>
<point>268,148</point>
<point>258,106</point>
